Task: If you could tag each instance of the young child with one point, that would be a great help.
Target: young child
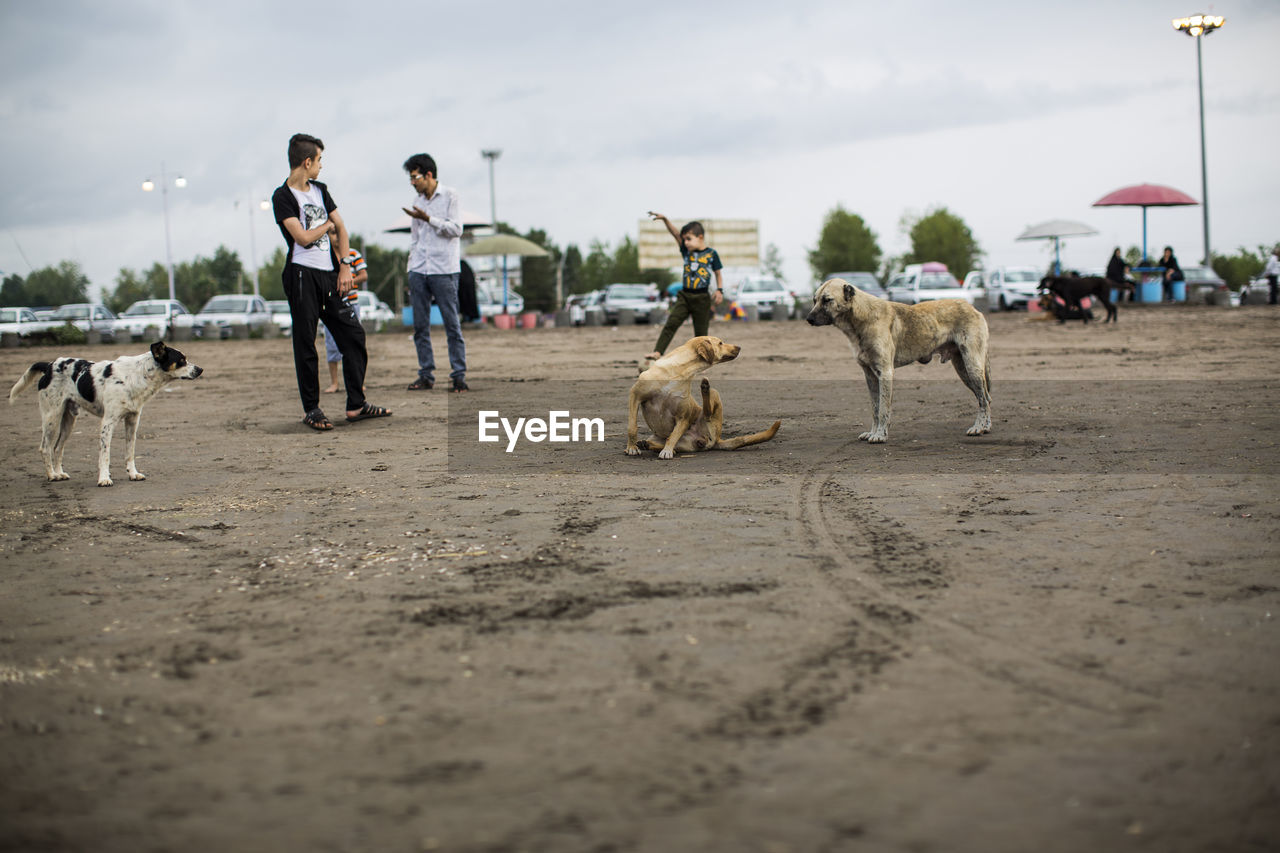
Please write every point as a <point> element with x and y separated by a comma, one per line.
<point>696,296</point>
<point>360,273</point>
<point>317,274</point>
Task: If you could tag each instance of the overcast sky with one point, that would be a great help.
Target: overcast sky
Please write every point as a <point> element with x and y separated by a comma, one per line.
<point>1006,113</point>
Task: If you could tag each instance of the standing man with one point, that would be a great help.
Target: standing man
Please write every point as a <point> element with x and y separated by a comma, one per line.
<point>434,265</point>
<point>315,279</point>
<point>1271,272</point>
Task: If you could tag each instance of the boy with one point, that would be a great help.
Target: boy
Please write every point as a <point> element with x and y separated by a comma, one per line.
<point>360,274</point>
<point>315,282</point>
<point>696,296</point>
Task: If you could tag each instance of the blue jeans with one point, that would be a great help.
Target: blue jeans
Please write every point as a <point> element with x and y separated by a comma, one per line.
<point>443,291</point>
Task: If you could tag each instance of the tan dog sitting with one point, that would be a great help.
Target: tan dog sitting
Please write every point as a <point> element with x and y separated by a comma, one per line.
<point>664,392</point>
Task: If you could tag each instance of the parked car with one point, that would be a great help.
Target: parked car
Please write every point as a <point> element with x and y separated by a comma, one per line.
<point>280,315</point>
<point>578,303</point>
<point>766,294</point>
<point>85,316</point>
<point>640,298</point>
<point>230,309</point>
<point>373,308</point>
<point>489,300</point>
<point>161,313</point>
<point>1005,288</point>
<point>928,281</point>
<point>1256,292</point>
<point>20,321</point>
<point>864,281</point>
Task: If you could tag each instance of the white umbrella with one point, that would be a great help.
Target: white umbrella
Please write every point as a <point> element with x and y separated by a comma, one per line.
<point>1055,230</point>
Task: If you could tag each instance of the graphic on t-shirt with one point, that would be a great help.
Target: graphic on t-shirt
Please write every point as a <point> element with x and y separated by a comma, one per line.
<point>698,266</point>
<point>314,216</point>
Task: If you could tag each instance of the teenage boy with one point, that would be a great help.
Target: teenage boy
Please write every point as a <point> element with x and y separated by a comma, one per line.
<point>696,295</point>
<point>434,264</point>
<point>315,282</point>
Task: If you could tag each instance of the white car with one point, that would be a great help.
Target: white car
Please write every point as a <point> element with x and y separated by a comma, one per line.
<point>766,294</point>
<point>227,310</point>
<point>926,282</point>
<point>1006,288</point>
<point>281,316</point>
<point>373,308</point>
<point>161,313</point>
<point>20,321</point>
<point>640,298</point>
<point>85,316</point>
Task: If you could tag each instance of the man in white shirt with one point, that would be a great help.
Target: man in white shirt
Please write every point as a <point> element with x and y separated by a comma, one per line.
<point>434,263</point>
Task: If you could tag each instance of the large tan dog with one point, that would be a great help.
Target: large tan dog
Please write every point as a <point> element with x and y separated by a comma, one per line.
<point>886,335</point>
<point>664,393</point>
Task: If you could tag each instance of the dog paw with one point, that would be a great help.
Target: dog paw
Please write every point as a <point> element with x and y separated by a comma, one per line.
<point>632,450</point>
<point>706,385</point>
<point>666,454</point>
<point>137,475</point>
<point>877,438</point>
<point>106,481</point>
<point>53,478</point>
<point>866,436</point>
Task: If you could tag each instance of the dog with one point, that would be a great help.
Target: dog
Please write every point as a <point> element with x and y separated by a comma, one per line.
<point>886,335</point>
<point>1073,288</point>
<point>112,390</point>
<point>663,393</point>
<point>1056,309</point>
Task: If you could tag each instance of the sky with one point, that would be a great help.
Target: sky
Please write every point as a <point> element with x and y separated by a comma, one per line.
<point>1008,114</point>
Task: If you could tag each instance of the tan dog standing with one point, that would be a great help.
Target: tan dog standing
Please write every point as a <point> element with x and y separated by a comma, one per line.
<point>664,393</point>
<point>886,335</point>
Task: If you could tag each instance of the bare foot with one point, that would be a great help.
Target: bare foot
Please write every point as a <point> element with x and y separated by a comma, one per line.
<point>332,389</point>
<point>654,356</point>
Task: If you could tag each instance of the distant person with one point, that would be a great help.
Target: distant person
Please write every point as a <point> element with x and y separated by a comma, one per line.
<point>468,305</point>
<point>360,274</point>
<point>315,279</point>
<point>1271,272</point>
<point>1172,272</point>
<point>1118,274</point>
<point>696,294</point>
<point>434,268</point>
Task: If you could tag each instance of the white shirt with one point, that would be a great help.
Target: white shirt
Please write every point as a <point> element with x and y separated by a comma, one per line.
<point>1272,267</point>
<point>434,249</point>
<point>312,213</point>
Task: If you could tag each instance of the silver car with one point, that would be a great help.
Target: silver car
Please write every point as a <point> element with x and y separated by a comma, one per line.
<point>227,310</point>
<point>767,294</point>
<point>640,298</point>
<point>163,314</point>
<point>85,316</point>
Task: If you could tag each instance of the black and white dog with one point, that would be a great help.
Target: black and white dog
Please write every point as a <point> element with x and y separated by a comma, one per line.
<point>111,390</point>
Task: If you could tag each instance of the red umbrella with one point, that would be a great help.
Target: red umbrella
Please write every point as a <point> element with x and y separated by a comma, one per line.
<point>1144,196</point>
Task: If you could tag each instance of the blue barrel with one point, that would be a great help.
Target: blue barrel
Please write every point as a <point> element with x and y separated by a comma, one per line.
<point>1179,291</point>
<point>1150,291</point>
<point>406,315</point>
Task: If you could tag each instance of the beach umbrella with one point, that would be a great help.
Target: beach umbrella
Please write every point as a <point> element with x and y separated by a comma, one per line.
<point>1055,230</point>
<point>1144,196</point>
<point>504,245</point>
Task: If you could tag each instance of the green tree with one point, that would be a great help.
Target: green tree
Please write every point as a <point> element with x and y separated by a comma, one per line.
<point>1241,268</point>
<point>573,270</point>
<point>940,235</point>
<point>57,285</point>
<point>772,263</point>
<point>845,243</point>
<point>13,293</point>
<point>130,287</point>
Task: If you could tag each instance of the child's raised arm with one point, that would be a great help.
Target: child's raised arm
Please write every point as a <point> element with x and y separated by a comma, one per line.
<point>675,232</point>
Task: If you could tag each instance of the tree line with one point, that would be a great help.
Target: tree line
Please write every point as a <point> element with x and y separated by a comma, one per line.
<point>845,242</point>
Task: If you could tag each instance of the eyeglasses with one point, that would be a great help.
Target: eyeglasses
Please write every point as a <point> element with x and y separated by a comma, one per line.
<point>414,177</point>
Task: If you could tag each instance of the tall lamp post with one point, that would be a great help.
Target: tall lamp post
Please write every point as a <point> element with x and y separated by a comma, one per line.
<point>491,155</point>
<point>1198,26</point>
<point>253,241</point>
<point>147,186</point>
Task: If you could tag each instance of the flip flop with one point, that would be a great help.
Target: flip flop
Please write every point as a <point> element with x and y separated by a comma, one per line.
<point>368,411</point>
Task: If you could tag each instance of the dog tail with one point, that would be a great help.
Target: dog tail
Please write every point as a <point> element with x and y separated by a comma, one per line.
<point>748,440</point>
<point>986,373</point>
<point>34,372</point>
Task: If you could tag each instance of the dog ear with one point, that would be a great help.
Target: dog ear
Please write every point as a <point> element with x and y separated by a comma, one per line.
<point>848,293</point>
<point>157,350</point>
<point>705,350</point>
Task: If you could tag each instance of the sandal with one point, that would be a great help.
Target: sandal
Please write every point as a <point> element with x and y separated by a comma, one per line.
<point>317,421</point>
<point>421,384</point>
<point>368,411</point>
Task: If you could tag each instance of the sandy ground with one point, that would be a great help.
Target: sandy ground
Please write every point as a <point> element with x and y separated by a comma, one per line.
<point>1058,637</point>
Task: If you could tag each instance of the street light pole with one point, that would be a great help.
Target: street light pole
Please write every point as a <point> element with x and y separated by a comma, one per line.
<point>491,155</point>
<point>253,242</point>
<point>147,186</point>
<point>1198,26</point>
